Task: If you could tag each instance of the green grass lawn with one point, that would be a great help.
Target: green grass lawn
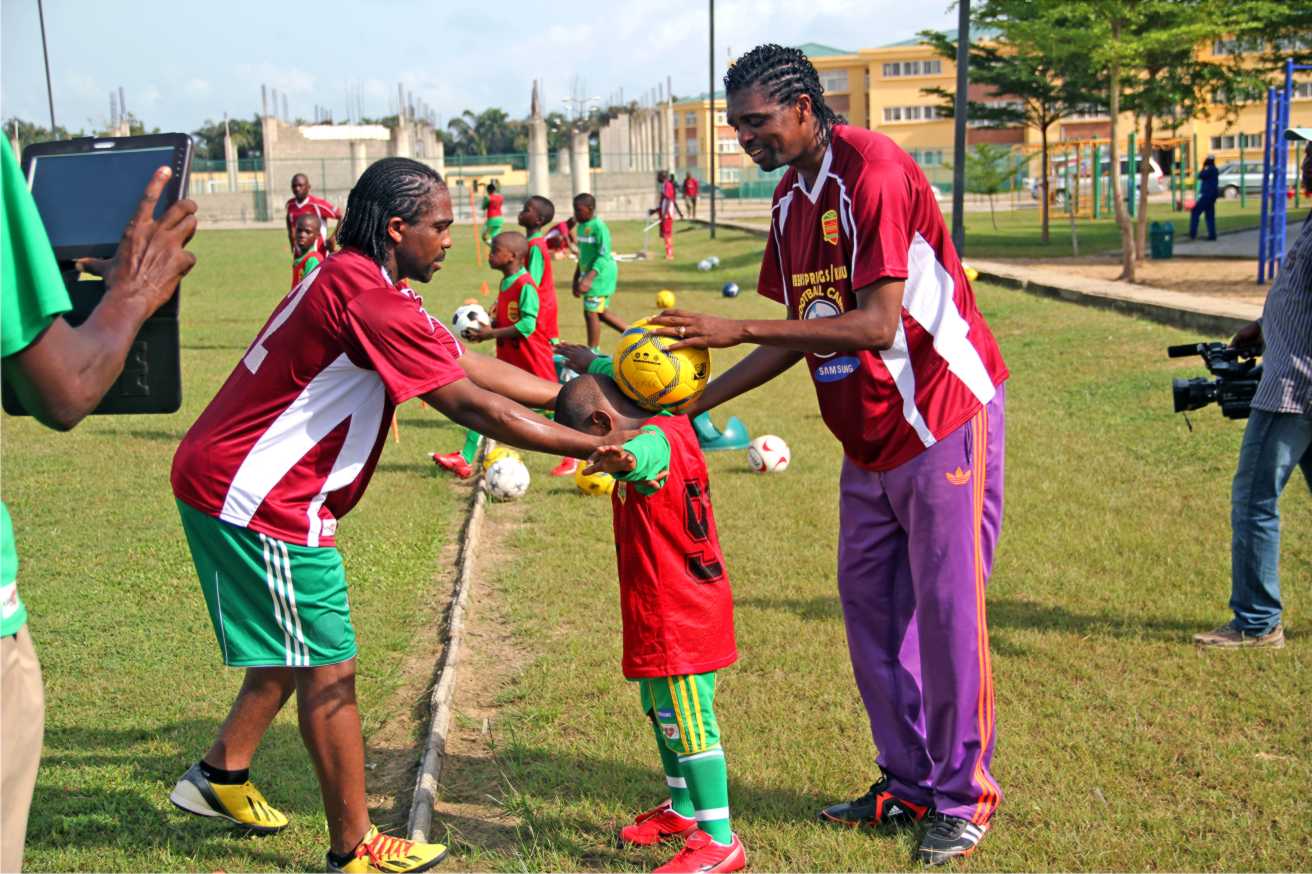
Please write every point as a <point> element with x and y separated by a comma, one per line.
<point>1120,746</point>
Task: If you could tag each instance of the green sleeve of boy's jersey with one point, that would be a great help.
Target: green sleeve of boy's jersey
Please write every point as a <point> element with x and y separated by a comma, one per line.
<point>651,449</point>
<point>311,264</point>
<point>602,366</point>
<point>536,266</point>
<point>528,310</point>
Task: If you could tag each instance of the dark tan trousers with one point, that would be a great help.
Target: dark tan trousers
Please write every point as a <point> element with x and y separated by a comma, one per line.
<point>22,724</point>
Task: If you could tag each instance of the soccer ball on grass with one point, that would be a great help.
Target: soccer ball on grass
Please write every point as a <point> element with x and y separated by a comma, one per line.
<point>506,480</point>
<point>768,454</point>
<point>597,484</point>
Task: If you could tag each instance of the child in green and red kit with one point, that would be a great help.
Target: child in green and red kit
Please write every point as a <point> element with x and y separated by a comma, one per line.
<point>492,205</point>
<point>305,238</point>
<point>534,218</point>
<point>676,607</point>
<point>594,277</point>
<point>516,327</point>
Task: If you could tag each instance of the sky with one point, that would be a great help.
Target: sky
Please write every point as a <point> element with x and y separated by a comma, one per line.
<point>181,63</point>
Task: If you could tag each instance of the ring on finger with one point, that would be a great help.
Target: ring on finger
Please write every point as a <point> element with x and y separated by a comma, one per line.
<point>683,329</point>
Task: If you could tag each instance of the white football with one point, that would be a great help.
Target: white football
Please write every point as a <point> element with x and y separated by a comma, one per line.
<point>704,265</point>
<point>468,317</point>
<point>768,454</point>
<point>506,480</point>
<point>714,260</point>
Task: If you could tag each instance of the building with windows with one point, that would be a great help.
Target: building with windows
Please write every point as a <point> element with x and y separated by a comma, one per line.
<point>882,88</point>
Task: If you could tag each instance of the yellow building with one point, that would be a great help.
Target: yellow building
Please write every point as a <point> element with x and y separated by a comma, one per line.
<point>882,89</point>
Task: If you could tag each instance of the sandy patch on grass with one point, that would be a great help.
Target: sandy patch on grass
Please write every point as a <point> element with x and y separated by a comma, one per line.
<point>1228,278</point>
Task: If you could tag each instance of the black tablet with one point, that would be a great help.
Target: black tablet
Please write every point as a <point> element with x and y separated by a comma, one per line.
<point>88,189</point>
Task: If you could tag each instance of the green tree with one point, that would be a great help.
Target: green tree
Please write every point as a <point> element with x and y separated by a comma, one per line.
<point>28,132</point>
<point>988,171</point>
<point>247,135</point>
<point>1033,58</point>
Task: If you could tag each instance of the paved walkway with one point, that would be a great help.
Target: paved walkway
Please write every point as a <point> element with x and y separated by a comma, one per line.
<point>1209,315</point>
<point>1240,244</point>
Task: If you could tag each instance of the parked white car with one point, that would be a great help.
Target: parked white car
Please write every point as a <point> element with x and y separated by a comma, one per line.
<point>1229,178</point>
<point>1157,180</point>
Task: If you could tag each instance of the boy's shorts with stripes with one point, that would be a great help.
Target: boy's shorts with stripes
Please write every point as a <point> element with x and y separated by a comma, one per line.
<point>273,603</point>
<point>595,303</point>
<point>684,710</point>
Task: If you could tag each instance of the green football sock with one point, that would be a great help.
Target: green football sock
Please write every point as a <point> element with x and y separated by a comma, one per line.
<point>471,446</point>
<point>708,784</point>
<point>680,800</point>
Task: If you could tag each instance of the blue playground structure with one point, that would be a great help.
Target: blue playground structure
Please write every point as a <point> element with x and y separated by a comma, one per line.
<point>1275,176</point>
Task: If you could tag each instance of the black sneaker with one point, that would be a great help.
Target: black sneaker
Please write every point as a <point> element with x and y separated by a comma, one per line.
<point>948,838</point>
<point>878,807</point>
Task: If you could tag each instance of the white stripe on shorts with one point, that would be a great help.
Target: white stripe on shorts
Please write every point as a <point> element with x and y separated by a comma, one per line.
<point>291,600</point>
<point>706,755</point>
<point>269,579</point>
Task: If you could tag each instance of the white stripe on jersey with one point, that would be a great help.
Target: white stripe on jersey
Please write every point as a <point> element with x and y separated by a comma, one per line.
<point>897,358</point>
<point>929,299</point>
<point>340,391</point>
<point>359,442</point>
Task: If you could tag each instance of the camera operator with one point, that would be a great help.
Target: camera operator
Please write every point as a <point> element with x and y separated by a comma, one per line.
<point>1278,437</point>
<point>60,373</point>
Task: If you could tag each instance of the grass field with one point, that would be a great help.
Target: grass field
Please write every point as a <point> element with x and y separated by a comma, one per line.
<point>1120,746</point>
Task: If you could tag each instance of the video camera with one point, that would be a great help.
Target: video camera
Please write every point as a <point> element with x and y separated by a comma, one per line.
<point>1237,375</point>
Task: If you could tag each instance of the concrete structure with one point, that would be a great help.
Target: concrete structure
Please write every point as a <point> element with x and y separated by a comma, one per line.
<point>580,163</point>
<point>538,170</point>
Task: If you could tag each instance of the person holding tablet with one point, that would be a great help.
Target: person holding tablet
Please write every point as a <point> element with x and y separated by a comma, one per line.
<point>60,373</point>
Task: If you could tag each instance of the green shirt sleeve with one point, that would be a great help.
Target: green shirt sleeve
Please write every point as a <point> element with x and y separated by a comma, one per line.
<point>535,265</point>
<point>602,365</point>
<point>32,292</point>
<point>651,448</point>
<point>311,264</point>
<point>528,310</point>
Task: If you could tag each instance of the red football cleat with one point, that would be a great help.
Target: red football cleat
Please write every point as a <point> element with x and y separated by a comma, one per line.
<point>566,467</point>
<point>454,462</point>
<point>701,853</point>
<point>660,823</point>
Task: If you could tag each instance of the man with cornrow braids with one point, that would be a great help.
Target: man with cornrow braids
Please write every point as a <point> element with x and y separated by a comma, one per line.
<point>910,380</point>
<point>284,450</point>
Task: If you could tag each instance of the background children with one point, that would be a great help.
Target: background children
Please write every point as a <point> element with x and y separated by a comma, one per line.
<point>303,202</point>
<point>534,218</point>
<point>690,189</point>
<point>492,203</point>
<point>676,607</point>
<point>666,207</point>
<point>594,278</point>
<point>515,326</point>
<point>305,247</point>
<point>560,239</point>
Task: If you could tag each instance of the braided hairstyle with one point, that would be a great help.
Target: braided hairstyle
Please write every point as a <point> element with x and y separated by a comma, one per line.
<point>389,187</point>
<point>784,74</point>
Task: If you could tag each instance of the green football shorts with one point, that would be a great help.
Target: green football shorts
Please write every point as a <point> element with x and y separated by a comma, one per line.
<point>684,709</point>
<point>273,604</point>
<point>493,227</point>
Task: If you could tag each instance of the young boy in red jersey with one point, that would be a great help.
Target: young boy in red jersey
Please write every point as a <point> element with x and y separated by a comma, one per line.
<point>537,213</point>
<point>516,327</point>
<point>302,202</point>
<point>560,239</point>
<point>666,208</point>
<point>306,255</point>
<point>493,202</point>
<point>676,607</point>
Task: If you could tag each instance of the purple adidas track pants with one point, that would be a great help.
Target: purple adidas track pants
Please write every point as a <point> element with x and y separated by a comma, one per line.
<point>915,551</point>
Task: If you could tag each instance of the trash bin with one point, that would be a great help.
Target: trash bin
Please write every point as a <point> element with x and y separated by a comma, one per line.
<point>1161,239</point>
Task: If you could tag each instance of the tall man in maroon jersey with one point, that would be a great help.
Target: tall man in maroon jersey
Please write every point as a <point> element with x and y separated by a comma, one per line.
<point>302,202</point>
<point>284,451</point>
<point>910,381</point>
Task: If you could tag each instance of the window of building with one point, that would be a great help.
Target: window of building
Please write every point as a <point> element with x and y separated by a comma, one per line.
<point>1229,142</point>
<point>720,118</point>
<point>692,148</point>
<point>929,157</point>
<point>726,145</point>
<point>834,80</point>
<point>1223,143</point>
<point>892,113</point>
<point>913,68</point>
<point>1238,46</point>
<point>731,174</point>
<point>1302,91</point>
<point>911,113</point>
<point>690,119</point>
<point>839,102</point>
